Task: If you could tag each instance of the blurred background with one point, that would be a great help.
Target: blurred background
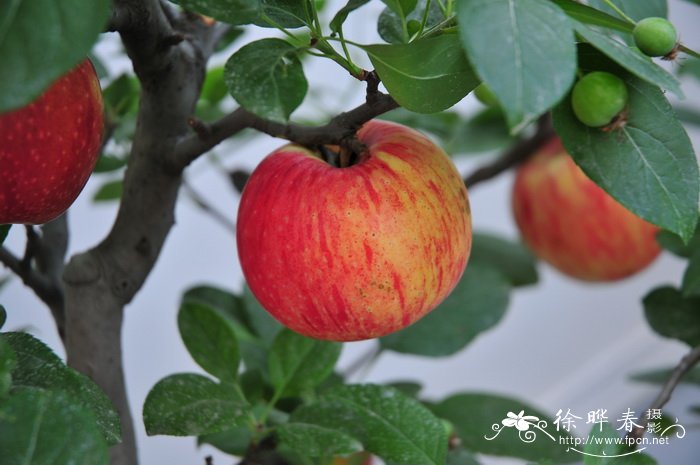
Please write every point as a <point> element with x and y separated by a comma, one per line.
<point>562,344</point>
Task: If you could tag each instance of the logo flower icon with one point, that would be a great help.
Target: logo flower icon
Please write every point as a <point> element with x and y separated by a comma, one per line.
<point>520,421</point>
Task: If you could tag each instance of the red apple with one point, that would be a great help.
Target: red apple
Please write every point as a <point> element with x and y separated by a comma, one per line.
<point>358,252</point>
<point>49,148</point>
<point>571,223</point>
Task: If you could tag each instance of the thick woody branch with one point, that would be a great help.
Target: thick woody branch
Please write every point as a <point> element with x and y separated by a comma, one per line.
<point>338,131</point>
<point>688,361</point>
<point>515,155</point>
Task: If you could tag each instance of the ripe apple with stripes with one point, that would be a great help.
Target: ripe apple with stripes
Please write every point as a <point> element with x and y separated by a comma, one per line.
<point>356,252</point>
<point>574,225</point>
<point>49,148</point>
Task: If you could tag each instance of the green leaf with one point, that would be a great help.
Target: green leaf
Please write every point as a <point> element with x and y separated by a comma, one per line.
<point>483,132</point>
<point>109,163</point>
<point>460,456</point>
<point>632,60</point>
<point>4,231</point>
<point>648,165</point>
<point>592,16</point>
<point>265,326</point>
<point>474,415</point>
<point>41,40</point>
<point>108,191</point>
<point>121,97</point>
<point>425,76</point>
<point>391,26</point>
<point>298,363</point>
<point>477,303</point>
<point>634,8</point>
<point>691,277</point>
<point>506,42</point>
<point>40,427</point>
<point>401,7</point>
<point>233,12</point>
<point>188,404</point>
<point>443,126</point>
<point>512,259</point>
<point>266,78</point>
<point>672,315</point>
<point>316,441</point>
<point>342,14</point>
<point>661,376</point>
<point>233,441</point>
<point>38,367</point>
<point>409,388</point>
<point>210,338</point>
<point>601,441</point>
<point>674,244</point>
<point>8,361</point>
<point>214,88</point>
<point>388,423</point>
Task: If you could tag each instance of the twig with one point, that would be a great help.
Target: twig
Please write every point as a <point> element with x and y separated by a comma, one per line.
<point>515,155</point>
<point>336,132</point>
<point>686,363</point>
<point>208,208</point>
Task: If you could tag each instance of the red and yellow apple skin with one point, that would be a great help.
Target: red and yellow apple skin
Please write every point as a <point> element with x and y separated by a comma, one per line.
<point>571,223</point>
<point>355,253</point>
<point>49,148</point>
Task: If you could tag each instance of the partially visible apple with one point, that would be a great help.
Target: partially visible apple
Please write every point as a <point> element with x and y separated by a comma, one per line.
<point>358,252</point>
<point>49,148</point>
<point>570,222</point>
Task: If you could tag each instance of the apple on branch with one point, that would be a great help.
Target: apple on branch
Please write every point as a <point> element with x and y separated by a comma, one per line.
<point>574,225</point>
<point>356,252</point>
<point>49,148</point>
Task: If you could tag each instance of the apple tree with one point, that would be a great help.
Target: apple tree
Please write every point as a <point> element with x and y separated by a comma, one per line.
<point>556,77</point>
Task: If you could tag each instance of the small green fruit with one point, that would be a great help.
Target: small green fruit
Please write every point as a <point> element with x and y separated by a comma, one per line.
<point>598,98</point>
<point>655,37</point>
<point>486,96</point>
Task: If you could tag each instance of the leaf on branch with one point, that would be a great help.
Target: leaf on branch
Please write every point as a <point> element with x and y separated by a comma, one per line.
<point>289,14</point>
<point>297,363</point>
<point>672,315</point>
<point>389,424</point>
<point>401,7</point>
<point>523,50</point>
<point>188,404</point>
<point>210,338</point>
<point>8,361</point>
<point>234,12</point>
<point>634,8</point>
<point>233,441</point>
<point>391,26</point>
<point>41,427</point>
<point>266,78</point>
<point>425,76</point>
<point>473,416</point>
<point>602,451</point>
<point>38,367</point>
<point>674,244</point>
<point>477,304</point>
<point>108,191</point>
<point>342,14</point>
<point>648,165</point>
<point>512,259</point>
<point>691,277</point>
<point>316,441</point>
<point>592,16</point>
<point>41,40</point>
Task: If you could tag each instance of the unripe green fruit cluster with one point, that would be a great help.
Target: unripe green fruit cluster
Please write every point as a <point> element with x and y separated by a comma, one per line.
<point>598,98</point>
<point>655,37</point>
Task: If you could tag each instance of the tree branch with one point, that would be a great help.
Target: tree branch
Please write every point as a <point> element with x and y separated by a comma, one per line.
<point>515,155</point>
<point>688,361</point>
<point>42,266</point>
<point>338,131</point>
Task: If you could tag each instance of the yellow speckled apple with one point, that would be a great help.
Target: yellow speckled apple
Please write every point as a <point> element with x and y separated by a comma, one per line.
<point>49,148</point>
<point>570,222</point>
<point>359,252</point>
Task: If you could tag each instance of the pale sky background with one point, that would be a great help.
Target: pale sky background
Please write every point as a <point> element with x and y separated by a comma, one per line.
<point>561,345</point>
